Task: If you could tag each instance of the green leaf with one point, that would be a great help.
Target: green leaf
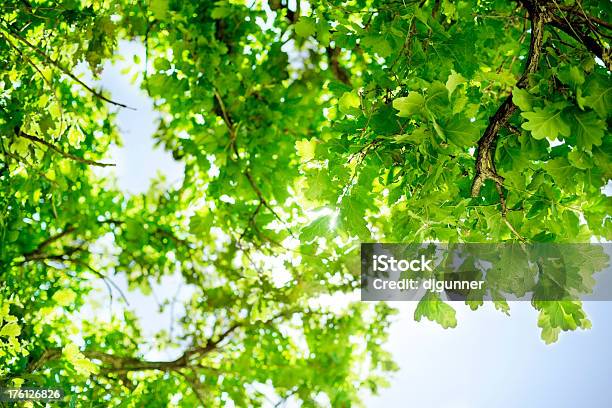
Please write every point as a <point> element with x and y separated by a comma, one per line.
<point>10,330</point>
<point>565,315</point>
<point>409,105</point>
<point>159,8</point>
<point>306,149</point>
<point>384,121</point>
<point>461,132</point>
<point>85,366</point>
<point>546,123</point>
<point>418,135</point>
<point>220,12</point>
<point>316,229</point>
<point>502,306</point>
<point>557,316</point>
<point>64,297</point>
<point>352,213</point>
<point>81,364</point>
<point>75,135</point>
<point>453,81</point>
<point>437,99</point>
<point>598,95</point>
<point>588,128</point>
<point>4,311</point>
<point>305,27</point>
<point>572,76</point>
<point>549,334</point>
<point>323,34</point>
<point>55,110</point>
<point>377,44</point>
<point>431,307</point>
<point>580,159</point>
<point>200,223</point>
<point>522,99</point>
<point>561,170</point>
<point>348,102</point>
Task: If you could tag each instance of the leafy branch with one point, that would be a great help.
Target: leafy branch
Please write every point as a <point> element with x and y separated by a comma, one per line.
<point>8,30</point>
<point>233,131</point>
<point>189,358</point>
<point>39,250</point>
<point>539,15</point>
<point>31,166</point>
<point>56,149</point>
<point>485,165</point>
<point>573,23</point>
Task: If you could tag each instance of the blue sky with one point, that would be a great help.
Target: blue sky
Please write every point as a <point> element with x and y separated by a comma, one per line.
<point>489,360</point>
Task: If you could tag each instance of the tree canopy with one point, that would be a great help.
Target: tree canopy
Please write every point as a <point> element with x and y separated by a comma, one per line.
<point>304,130</point>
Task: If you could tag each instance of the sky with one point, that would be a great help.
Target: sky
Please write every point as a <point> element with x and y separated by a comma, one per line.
<point>489,360</point>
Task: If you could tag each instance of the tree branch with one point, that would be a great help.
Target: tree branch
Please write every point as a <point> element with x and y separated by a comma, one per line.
<point>63,257</point>
<point>105,278</point>
<point>41,246</point>
<point>485,166</point>
<point>24,161</point>
<point>573,10</point>
<point>195,385</point>
<point>338,71</point>
<point>485,162</point>
<point>67,72</point>
<point>589,42</point>
<point>56,149</point>
<point>117,363</point>
<point>250,223</point>
<point>233,135</point>
<point>504,212</point>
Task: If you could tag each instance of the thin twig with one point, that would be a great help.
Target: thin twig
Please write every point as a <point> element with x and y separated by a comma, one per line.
<point>56,149</point>
<point>233,136</point>
<point>587,41</point>
<point>44,78</point>
<point>571,9</point>
<point>23,160</point>
<point>103,277</point>
<point>504,212</point>
<point>193,384</point>
<point>56,64</point>
<point>251,222</point>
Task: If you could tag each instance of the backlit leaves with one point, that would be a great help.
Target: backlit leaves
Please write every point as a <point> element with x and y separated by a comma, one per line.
<point>598,95</point>
<point>560,316</point>
<point>522,99</point>
<point>546,122</point>
<point>64,297</point>
<point>409,105</point>
<point>377,44</point>
<point>588,128</point>
<point>302,131</point>
<point>460,131</point>
<point>81,364</point>
<point>454,80</point>
<point>348,102</point>
<point>318,228</point>
<point>432,308</point>
<point>305,27</point>
<point>561,170</point>
<point>11,329</point>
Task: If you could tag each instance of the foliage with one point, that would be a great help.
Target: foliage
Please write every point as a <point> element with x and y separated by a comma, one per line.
<point>303,132</point>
